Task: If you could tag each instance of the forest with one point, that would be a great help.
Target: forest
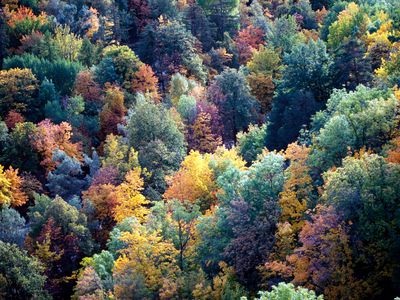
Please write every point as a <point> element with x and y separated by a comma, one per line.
<point>200,149</point>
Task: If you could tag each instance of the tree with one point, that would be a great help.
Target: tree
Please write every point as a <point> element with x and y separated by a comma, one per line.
<point>105,72</point>
<point>13,117</point>
<point>18,89</point>
<point>289,113</point>
<point>247,41</point>
<point>5,193</point>
<point>352,66</point>
<point>352,120</point>
<point>59,236</point>
<point>124,60</point>
<point>369,202</point>
<point>289,291</point>
<point>89,285</point>
<point>393,151</point>
<point>119,155</point>
<point>307,68</point>
<point>18,144</point>
<point>104,199</point>
<point>17,195</point>
<point>202,138</point>
<point>176,51</point>
<point>264,67</point>
<point>237,107</point>
<point>223,15</point>
<point>113,112</point>
<point>224,286</point>
<point>21,275</point>
<point>297,191</point>
<point>88,53</point>
<point>146,82</point>
<point>50,137</point>
<point>351,23</point>
<point>140,11</point>
<point>241,230</point>
<point>154,134</point>
<point>68,179</point>
<point>102,264</point>
<point>196,20</point>
<point>388,71</point>
<point>23,21</point>
<point>131,203</point>
<point>67,44</point>
<point>52,106</point>
<point>87,87</point>
<point>147,266</point>
<point>187,108</point>
<point>60,71</point>
<point>193,182</point>
<point>251,143</point>
<point>88,23</point>
<point>11,193</point>
<point>179,86</point>
<point>12,227</point>
<point>284,33</point>
<point>177,220</point>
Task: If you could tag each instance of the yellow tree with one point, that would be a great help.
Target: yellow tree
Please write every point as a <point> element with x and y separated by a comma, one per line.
<point>18,89</point>
<point>5,184</point>
<point>194,180</point>
<point>10,188</point>
<point>131,203</point>
<point>67,43</point>
<point>148,263</point>
<point>119,155</point>
<point>113,112</point>
<point>18,197</point>
<point>223,158</point>
<point>297,188</point>
<point>353,17</point>
<point>379,42</point>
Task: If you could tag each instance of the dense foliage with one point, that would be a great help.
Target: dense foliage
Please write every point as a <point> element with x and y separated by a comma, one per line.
<point>210,149</point>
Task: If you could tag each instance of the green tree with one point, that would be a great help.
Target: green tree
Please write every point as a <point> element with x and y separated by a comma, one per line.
<point>224,15</point>
<point>12,227</point>
<point>238,108</point>
<point>125,61</point>
<point>352,120</point>
<point>251,143</point>
<point>365,190</point>
<point>308,68</point>
<point>154,134</point>
<point>19,144</point>
<point>290,112</point>
<point>284,291</point>
<point>351,64</point>
<point>284,33</point>
<point>21,276</point>
<point>18,89</point>
<point>68,44</point>
<point>60,71</point>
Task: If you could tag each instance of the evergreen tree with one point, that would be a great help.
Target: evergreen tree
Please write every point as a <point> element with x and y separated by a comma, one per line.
<point>21,275</point>
<point>68,179</point>
<point>352,67</point>
<point>238,108</point>
<point>154,134</point>
<point>289,113</point>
